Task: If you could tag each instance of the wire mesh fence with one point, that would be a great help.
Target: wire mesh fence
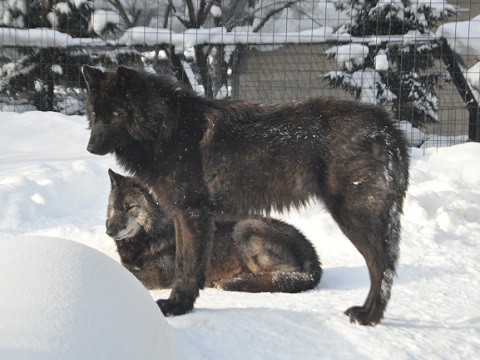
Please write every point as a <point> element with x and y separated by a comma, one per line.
<point>418,58</point>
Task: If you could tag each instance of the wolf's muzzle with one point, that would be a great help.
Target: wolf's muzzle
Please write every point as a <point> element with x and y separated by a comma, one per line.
<point>96,150</point>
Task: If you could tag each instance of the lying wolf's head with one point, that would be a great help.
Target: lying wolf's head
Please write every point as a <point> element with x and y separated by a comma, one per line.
<point>131,208</point>
<point>126,106</point>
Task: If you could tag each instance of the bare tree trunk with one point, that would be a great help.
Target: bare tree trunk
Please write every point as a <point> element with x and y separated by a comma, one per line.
<point>202,64</point>
<point>117,5</point>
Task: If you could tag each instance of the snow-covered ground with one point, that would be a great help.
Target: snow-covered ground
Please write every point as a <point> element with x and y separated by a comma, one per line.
<point>51,186</point>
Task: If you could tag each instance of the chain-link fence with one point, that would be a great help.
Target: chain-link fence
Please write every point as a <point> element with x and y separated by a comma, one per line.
<point>418,58</point>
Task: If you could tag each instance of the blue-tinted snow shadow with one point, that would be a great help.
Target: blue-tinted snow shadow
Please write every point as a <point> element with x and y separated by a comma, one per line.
<point>356,277</point>
<point>261,333</point>
<point>413,322</point>
<point>343,278</point>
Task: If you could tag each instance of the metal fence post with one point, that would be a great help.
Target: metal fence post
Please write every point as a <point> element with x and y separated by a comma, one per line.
<point>453,62</point>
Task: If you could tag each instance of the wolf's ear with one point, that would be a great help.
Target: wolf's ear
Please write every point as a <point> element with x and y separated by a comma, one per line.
<point>127,78</point>
<point>92,76</point>
<point>114,177</point>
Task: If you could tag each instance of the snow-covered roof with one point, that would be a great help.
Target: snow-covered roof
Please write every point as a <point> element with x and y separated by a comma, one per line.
<point>463,36</point>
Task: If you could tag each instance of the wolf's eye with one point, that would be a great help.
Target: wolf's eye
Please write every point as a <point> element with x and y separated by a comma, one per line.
<point>130,207</point>
<point>116,114</point>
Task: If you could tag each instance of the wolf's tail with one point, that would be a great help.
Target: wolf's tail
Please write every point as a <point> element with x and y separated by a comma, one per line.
<point>276,281</point>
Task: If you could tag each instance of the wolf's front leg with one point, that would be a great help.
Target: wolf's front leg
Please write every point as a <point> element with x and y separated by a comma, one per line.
<point>194,229</point>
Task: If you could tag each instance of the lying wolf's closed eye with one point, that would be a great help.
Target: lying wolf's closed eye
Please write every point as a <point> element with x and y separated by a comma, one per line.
<point>130,207</point>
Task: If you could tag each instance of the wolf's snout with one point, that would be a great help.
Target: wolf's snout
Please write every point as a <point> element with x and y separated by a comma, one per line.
<point>96,148</point>
<point>91,149</point>
<point>109,232</point>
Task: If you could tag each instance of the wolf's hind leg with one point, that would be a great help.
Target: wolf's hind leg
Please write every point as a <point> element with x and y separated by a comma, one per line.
<point>377,239</point>
<point>381,279</point>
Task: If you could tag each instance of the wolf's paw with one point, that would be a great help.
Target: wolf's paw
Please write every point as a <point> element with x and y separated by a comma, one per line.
<point>217,285</point>
<point>171,307</point>
<point>360,315</point>
<point>226,285</point>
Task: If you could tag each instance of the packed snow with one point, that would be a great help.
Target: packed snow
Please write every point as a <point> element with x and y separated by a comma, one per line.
<point>51,186</point>
<point>64,300</point>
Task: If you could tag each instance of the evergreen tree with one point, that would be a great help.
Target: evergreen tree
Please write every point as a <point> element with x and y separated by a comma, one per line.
<point>49,78</point>
<point>388,70</point>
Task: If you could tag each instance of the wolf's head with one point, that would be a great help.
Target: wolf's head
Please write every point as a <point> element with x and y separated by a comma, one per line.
<point>115,109</point>
<point>131,208</point>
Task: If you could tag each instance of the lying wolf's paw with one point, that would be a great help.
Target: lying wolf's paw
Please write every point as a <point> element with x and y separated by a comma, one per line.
<point>360,315</point>
<point>171,307</point>
<point>223,284</point>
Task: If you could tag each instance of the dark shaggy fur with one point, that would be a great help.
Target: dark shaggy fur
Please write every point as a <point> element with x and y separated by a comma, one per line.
<point>256,255</point>
<point>206,158</point>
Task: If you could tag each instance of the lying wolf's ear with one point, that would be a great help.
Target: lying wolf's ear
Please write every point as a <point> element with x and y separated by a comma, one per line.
<point>92,76</point>
<point>114,177</point>
<point>127,78</point>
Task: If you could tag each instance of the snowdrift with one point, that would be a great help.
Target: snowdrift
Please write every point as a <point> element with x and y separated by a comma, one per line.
<point>64,300</point>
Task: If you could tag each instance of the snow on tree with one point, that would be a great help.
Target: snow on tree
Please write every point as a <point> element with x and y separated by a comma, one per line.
<point>210,66</point>
<point>49,78</point>
<point>44,75</point>
<point>395,71</point>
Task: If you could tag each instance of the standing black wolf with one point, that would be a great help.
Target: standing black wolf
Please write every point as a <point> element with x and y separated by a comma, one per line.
<point>206,158</point>
<point>254,255</point>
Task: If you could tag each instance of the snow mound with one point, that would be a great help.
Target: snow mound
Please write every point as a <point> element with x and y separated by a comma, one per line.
<point>61,299</point>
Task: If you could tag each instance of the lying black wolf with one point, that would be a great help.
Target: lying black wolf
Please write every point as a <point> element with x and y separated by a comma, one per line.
<point>206,158</point>
<point>257,255</point>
